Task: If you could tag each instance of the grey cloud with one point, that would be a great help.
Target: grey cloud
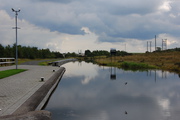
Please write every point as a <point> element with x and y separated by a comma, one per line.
<point>66,28</point>
<point>117,19</point>
<point>58,1</point>
<point>120,7</point>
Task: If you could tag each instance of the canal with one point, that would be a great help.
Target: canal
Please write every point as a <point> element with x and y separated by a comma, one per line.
<point>90,92</point>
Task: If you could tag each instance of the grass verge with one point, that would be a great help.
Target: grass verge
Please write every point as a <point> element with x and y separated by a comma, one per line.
<point>169,61</point>
<point>7,73</point>
<point>45,63</point>
<point>136,66</point>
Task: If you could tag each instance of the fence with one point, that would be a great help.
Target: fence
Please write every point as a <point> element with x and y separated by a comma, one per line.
<point>7,61</point>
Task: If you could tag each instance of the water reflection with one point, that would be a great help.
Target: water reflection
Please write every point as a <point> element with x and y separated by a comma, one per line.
<point>113,73</point>
<point>86,71</point>
<point>85,92</point>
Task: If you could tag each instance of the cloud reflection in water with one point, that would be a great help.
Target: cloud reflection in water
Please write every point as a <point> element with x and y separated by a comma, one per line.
<point>86,92</point>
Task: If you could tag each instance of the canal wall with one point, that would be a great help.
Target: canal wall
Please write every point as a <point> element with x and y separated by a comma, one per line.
<point>39,98</point>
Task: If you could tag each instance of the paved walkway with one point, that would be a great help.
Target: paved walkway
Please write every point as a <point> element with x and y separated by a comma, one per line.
<point>16,89</point>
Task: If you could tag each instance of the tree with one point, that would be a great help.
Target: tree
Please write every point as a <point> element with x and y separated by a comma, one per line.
<point>1,51</point>
<point>88,53</point>
<point>57,55</point>
<point>8,52</point>
<point>71,54</point>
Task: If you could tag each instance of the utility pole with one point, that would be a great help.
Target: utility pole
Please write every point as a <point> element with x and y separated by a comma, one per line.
<point>147,46</point>
<point>162,43</point>
<point>16,14</point>
<point>150,45</point>
<point>155,42</point>
<point>166,43</point>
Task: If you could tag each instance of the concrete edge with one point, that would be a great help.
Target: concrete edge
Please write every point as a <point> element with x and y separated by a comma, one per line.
<point>32,103</point>
<point>37,100</point>
<point>48,95</point>
<point>33,115</point>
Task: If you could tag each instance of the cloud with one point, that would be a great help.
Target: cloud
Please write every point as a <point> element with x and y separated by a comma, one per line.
<point>58,1</point>
<point>110,21</point>
<point>31,35</point>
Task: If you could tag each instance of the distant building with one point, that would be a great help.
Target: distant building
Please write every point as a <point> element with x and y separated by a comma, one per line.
<point>113,51</point>
<point>81,54</point>
<point>158,48</point>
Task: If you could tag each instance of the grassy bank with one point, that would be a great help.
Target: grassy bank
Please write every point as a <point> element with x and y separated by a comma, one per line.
<point>45,63</point>
<point>136,66</point>
<point>169,61</point>
<point>42,62</point>
<point>7,73</point>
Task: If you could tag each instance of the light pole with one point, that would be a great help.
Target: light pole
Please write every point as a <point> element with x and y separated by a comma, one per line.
<point>16,14</point>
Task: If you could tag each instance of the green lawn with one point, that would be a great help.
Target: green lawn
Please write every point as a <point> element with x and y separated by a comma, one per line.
<point>7,73</point>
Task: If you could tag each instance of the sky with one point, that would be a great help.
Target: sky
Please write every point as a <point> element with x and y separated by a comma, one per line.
<point>79,25</point>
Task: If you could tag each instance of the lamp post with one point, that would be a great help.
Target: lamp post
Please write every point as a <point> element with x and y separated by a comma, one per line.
<point>16,14</point>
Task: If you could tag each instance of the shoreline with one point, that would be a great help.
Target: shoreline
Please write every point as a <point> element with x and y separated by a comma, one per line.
<point>169,61</point>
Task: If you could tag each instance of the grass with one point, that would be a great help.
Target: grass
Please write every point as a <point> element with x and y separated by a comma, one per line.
<point>136,66</point>
<point>7,73</point>
<point>23,60</point>
<point>169,61</point>
<point>45,63</point>
<point>165,60</point>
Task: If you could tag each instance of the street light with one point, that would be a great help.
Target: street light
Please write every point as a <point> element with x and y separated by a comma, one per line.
<point>16,14</point>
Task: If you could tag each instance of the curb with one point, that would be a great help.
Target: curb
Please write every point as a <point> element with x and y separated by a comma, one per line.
<point>35,115</point>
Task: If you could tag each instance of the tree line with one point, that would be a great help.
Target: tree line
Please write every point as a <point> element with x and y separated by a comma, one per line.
<point>27,52</point>
<point>88,53</point>
<point>34,52</point>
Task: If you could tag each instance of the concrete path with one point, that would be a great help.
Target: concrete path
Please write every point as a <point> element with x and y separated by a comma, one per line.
<point>16,89</point>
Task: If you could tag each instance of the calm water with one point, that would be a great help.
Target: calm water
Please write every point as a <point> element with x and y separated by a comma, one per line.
<point>90,92</point>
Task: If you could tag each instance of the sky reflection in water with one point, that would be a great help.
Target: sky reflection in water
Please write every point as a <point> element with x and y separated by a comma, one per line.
<point>86,92</point>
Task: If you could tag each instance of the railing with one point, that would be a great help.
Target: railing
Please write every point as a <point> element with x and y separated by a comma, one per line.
<point>7,61</point>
